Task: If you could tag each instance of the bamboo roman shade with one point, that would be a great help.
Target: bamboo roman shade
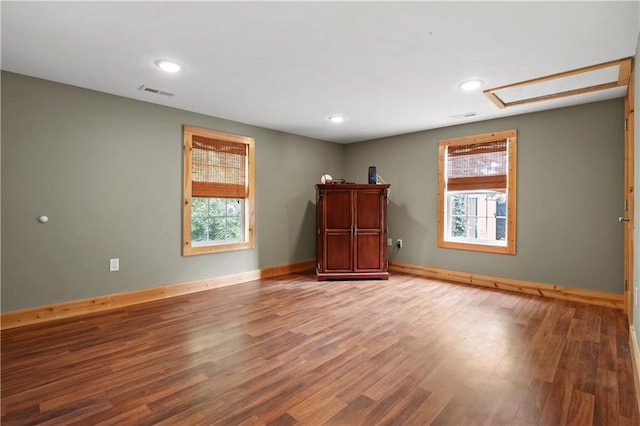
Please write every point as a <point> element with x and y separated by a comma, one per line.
<point>219,168</point>
<point>477,166</point>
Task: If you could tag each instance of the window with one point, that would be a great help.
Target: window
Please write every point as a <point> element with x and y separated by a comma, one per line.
<point>218,191</point>
<point>477,192</point>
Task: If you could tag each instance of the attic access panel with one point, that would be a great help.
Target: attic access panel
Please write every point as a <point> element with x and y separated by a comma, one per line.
<point>569,83</point>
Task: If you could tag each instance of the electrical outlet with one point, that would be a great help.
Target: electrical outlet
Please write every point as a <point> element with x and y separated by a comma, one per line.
<point>114,265</point>
<point>389,241</point>
<point>399,243</point>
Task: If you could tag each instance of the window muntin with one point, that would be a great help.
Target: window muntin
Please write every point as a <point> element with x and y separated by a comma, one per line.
<point>477,192</point>
<point>218,191</point>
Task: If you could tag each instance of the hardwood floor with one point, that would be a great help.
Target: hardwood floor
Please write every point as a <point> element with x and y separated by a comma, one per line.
<point>292,350</point>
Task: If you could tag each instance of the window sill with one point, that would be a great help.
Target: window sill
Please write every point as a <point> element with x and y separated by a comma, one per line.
<point>487,248</point>
<point>215,248</point>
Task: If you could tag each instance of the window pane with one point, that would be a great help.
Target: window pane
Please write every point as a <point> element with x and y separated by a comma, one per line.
<point>217,220</point>
<point>199,229</point>
<point>233,207</point>
<point>217,206</point>
<point>478,217</point>
<point>235,218</point>
<point>199,207</point>
<point>217,229</point>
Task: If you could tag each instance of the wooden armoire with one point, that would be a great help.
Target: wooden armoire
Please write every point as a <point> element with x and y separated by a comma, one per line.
<point>351,231</point>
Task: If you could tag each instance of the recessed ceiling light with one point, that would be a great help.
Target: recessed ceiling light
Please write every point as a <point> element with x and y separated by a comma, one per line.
<point>337,118</point>
<point>470,85</point>
<point>167,66</point>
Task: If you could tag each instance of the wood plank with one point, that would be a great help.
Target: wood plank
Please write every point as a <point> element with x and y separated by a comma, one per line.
<point>606,407</point>
<point>292,350</point>
<point>580,409</point>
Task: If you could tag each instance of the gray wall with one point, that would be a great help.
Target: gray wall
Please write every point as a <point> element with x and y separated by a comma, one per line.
<point>108,172</point>
<point>570,194</point>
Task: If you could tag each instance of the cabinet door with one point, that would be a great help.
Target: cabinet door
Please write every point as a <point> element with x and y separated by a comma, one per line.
<point>368,214</point>
<point>338,229</point>
<point>339,252</point>
<point>368,253</point>
<point>369,249</point>
<point>338,210</point>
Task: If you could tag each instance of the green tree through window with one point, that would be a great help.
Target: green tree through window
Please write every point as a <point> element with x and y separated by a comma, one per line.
<point>216,219</point>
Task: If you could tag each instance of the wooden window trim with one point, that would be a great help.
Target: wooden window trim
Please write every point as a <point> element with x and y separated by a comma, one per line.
<point>249,242</point>
<point>511,137</point>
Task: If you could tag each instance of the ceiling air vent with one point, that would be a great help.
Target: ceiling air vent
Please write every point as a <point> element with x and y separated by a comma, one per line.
<point>156,91</point>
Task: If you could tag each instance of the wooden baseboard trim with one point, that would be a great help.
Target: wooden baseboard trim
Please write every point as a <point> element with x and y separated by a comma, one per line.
<point>527,287</point>
<point>635,361</point>
<point>73,308</point>
<point>55,311</point>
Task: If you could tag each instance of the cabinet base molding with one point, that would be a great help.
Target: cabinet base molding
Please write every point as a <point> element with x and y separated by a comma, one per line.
<point>527,287</point>
<point>73,308</point>
<point>352,276</point>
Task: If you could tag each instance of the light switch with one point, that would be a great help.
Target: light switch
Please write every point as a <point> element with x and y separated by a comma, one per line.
<point>114,265</point>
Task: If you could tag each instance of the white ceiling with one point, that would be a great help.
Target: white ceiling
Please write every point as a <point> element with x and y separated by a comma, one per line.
<point>390,67</point>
